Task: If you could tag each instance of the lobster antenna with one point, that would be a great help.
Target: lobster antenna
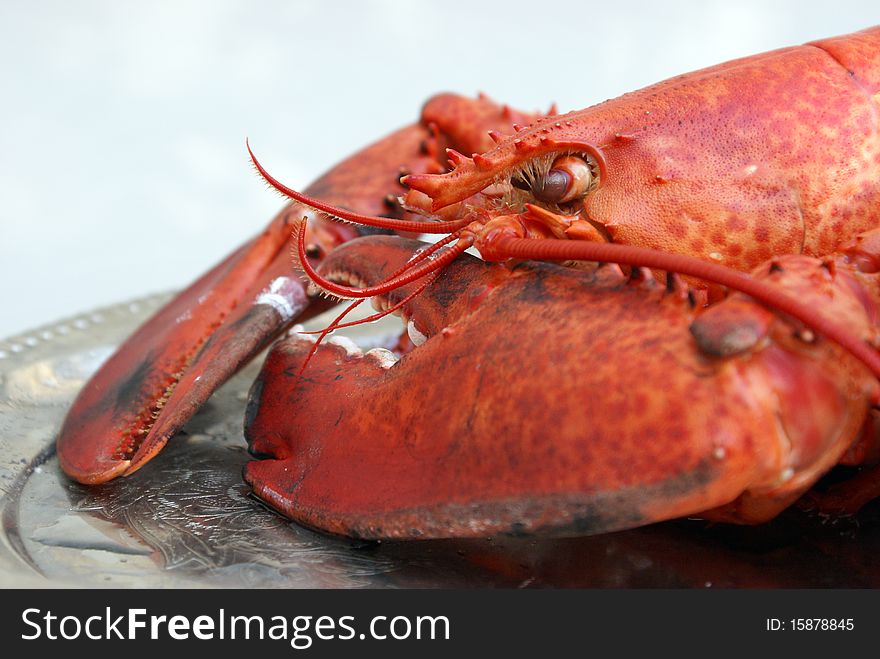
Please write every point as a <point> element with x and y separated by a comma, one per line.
<point>379,315</point>
<point>324,332</point>
<point>423,268</point>
<point>335,325</point>
<point>565,250</point>
<point>336,321</point>
<point>350,216</point>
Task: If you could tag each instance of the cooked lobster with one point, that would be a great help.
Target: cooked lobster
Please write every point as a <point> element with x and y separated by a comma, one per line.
<point>567,397</point>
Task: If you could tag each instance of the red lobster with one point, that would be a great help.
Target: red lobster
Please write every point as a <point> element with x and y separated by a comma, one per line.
<point>544,398</point>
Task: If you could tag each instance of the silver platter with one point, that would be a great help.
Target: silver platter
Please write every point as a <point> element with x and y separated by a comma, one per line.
<point>188,519</point>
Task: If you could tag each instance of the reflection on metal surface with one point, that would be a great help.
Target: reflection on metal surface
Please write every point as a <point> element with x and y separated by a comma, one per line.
<point>187,519</point>
<point>196,513</point>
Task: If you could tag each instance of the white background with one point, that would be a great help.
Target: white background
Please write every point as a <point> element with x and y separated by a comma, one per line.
<point>122,124</point>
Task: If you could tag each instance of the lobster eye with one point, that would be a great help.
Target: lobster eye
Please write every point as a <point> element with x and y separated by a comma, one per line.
<point>569,178</point>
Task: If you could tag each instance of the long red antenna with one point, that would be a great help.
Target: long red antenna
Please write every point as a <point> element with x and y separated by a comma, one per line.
<point>569,250</point>
<point>349,292</point>
<point>336,324</point>
<point>350,216</point>
<point>425,254</point>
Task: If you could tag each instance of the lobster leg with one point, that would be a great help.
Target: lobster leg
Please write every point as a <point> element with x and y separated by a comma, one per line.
<point>163,373</point>
<point>550,400</point>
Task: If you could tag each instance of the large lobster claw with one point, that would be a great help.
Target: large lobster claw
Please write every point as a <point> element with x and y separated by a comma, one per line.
<point>164,372</point>
<point>168,368</point>
<point>544,400</point>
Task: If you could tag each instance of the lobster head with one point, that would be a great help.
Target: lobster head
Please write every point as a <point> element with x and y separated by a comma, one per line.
<point>732,164</point>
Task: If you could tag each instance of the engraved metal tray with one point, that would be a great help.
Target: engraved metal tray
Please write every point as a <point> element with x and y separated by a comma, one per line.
<point>188,519</point>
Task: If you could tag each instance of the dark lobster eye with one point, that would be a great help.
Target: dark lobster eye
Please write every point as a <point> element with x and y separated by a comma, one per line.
<point>569,178</point>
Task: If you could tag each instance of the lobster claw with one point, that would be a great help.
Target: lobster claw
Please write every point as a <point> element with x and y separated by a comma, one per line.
<point>164,372</point>
<point>503,421</point>
<point>533,407</point>
<point>156,380</point>
<point>169,367</point>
